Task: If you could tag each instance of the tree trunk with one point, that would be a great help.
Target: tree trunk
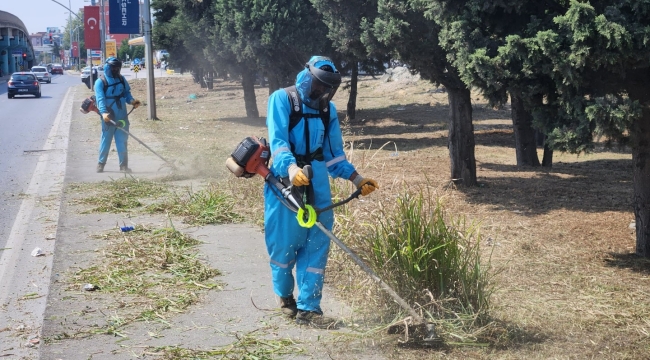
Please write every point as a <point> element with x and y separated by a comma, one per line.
<point>210,81</point>
<point>274,83</point>
<point>641,159</point>
<point>540,140</point>
<point>248,83</point>
<point>461,137</point>
<point>352,100</point>
<point>522,123</point>
<point>547,160</point>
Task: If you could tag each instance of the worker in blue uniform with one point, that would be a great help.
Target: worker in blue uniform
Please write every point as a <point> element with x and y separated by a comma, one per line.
<point>310,141</point>
<point>112,93</point>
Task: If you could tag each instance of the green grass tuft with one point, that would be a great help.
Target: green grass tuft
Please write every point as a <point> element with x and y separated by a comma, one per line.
<point>208,206</point>
<point>420,250</point>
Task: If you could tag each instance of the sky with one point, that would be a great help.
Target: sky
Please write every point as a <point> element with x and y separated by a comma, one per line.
<point>38,15</point>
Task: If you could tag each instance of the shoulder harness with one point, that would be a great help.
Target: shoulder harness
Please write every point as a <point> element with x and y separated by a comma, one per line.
<point>296,116</point>
<point>102,77</point>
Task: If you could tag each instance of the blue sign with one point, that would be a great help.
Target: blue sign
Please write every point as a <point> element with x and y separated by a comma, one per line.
<point>136,61</point>
<point>124,16</point>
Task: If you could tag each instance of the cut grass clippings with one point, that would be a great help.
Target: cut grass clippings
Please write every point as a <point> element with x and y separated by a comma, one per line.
<point>120,195</point>
<point>157,270</point>
<point>247,347</point>
<point>210,205</point>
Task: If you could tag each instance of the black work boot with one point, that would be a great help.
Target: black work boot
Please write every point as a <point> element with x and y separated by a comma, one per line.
<point>288,306</point>
<point>124,167</point>
<point>316,320</point>
<point>100,167</point>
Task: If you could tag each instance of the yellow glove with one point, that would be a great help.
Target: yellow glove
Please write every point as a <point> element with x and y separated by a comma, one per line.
<point>366,185</point>
<point>297,177</point>
<point>136,103</point>
<point>106,117</point>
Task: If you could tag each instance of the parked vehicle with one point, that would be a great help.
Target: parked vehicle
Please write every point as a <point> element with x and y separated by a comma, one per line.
<point>23,83</point>
<point>85,74</point>
<point>57,69</point>
<point>42,74</point>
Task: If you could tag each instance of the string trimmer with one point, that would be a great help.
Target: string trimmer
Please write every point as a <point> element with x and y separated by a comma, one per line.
<point>252,156</point>
<point>121,122</point>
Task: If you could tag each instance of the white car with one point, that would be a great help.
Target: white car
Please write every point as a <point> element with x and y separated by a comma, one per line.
<point>42,74</point>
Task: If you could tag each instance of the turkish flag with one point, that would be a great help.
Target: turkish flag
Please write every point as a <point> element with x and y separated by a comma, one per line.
<point>75,49</point>
<point>91,27</point>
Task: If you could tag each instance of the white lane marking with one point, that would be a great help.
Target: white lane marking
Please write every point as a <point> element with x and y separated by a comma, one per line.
<point>25,280</point>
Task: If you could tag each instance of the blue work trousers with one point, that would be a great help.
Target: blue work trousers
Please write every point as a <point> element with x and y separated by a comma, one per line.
<point>289,245</point>
<point>108,132</point>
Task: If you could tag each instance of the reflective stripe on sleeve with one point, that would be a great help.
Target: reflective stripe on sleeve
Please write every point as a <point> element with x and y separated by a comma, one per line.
<point>337,159</point>
<point>281,149</point>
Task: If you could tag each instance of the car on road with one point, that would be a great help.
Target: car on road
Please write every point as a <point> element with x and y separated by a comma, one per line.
<point>23,83</point>
<point>42,74</point>
<point>57,69</point>
<point>85,74</point>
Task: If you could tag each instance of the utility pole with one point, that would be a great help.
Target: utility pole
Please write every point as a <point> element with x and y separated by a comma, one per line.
<point>102,31</point>
<point>70,28</point>
<point>148,54</point>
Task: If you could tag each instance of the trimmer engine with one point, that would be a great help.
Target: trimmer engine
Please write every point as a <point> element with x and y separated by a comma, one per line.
<point>250,157</point>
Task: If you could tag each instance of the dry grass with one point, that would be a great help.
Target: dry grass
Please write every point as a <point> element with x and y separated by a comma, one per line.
<point>154,272</point>
<point>569,285</point>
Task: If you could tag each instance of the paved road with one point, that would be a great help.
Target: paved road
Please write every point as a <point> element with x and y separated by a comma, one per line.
<point>26,122</point>
<point>33,152</point>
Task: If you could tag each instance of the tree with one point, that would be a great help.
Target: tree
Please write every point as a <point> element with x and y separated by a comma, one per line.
<point>124,50</point>
<point>342,18</point>
<point>274,38</point>
<point>481,40</point>
<point>600,50</point>
<point>401,26</point>
<point>591,61</point>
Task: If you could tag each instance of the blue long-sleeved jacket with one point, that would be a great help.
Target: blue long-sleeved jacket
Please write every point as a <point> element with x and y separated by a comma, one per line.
<point>105,99</point>
<point>280,139</point>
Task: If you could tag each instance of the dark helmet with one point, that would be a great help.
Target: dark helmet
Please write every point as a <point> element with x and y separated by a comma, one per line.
<point>114,65</point>
<point>325,80</point>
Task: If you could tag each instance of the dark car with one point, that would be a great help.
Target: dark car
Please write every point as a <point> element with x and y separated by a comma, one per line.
<point>23,83</point>
<point>57,69</point>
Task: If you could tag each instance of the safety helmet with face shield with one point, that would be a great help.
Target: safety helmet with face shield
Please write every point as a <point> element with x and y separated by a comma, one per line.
<point>115,66</point>
<point>318,83</point>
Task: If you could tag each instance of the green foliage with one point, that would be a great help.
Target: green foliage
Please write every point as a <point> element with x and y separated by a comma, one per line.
<point>208,206</point>
<point>274,37</point>
<point>419,248</point>
<point>132,51</point>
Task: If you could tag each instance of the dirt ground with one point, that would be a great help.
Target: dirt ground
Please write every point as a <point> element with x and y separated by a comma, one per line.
<point>569,285</point>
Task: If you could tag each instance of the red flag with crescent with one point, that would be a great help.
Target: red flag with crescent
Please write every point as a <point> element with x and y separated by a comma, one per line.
<point>75,49</point>
<point>92,36</point>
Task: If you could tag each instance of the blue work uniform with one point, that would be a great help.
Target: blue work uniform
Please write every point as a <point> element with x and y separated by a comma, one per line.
<point>289,244</point>
<point>114,101</point>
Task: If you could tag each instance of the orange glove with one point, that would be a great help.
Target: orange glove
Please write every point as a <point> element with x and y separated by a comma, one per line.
<point>136,103</point>
<point>106,117</point>
<point>297,176</point>
<point>366,185</point>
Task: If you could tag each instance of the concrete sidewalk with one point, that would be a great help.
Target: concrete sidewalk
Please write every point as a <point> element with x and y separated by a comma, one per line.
<point>245,305</point>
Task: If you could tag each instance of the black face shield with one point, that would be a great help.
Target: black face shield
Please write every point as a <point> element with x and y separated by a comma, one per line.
<point>324,83</point>
<point>115,66</point>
